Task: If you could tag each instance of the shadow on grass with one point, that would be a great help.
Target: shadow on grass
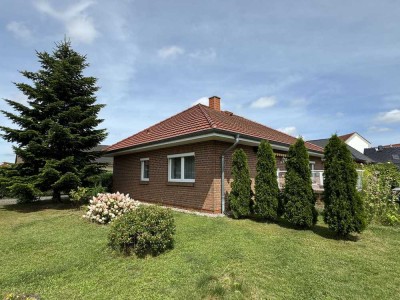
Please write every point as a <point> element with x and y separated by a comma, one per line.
<point>37,206</point>
<point>320,230</point>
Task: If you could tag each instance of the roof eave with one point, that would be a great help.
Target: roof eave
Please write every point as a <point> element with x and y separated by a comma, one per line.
<point>196,137</point>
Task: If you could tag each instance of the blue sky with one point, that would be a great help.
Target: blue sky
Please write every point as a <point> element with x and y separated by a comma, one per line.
<point>305,67</point>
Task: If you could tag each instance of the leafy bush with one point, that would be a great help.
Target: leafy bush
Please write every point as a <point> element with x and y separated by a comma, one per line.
<point>240,195</point>
<point>381,204</point>
<point>106,181</point>
<point>344,211</point>
<point>299,199</point>
<point>145,230</point>
<point>266,186</point>
<point>78,196</point>
<point>106,207</point>
<point>24,192</point>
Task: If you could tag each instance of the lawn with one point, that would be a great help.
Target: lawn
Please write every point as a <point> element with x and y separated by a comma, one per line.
<point>51,251</point>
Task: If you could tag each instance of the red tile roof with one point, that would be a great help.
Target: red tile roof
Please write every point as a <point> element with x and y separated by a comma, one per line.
<point>392,146</point>
<point>201,118</point>
<point>345,137</point>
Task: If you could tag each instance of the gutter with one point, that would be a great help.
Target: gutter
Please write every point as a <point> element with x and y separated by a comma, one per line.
<point>237,139</point>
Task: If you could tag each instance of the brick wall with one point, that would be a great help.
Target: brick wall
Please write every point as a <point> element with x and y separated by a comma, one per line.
<point>204,194</point>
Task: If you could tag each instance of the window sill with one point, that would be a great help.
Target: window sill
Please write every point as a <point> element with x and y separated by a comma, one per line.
<point>144,182</point>
<point>177,183</point>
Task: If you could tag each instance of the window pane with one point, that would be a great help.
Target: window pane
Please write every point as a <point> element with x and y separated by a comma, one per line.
<point>189,167</point>
<point>176,168</point>
<point>146,169</point>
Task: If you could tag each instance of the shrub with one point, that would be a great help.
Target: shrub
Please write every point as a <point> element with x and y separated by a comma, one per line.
<point>381,204</point>
<point>145,230</point>
<point>24,192</point>
<point>240,195</point>
<point>299,199</point>
<point>106,207</point>
<point>344,212</point>
<point>266,186</point>
<point>78,196</point>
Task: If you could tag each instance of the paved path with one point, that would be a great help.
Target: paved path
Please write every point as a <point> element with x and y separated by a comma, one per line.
<point>8,201</point>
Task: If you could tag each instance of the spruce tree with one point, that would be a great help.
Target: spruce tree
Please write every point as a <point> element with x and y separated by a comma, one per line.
<point>240,195</point>
<point>344,212</point>
<point>58,125</point>
<point>299,199</point>
<point>266,185</point>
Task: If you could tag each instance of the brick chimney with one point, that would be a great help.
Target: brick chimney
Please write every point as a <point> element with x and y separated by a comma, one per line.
<point>214,102</point>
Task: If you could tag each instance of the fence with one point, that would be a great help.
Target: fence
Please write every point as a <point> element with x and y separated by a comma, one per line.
<point>317,179</point>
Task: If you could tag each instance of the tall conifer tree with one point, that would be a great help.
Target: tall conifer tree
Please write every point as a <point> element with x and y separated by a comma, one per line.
<point>58,125</point>
<point>344,211</point>
<point>299,199</point>
<point>266,186</point>
<point>240,195</point>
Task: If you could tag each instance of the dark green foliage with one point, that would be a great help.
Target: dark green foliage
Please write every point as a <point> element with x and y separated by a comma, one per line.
<point>344,212</point>
<point>240,195</point>
<point>299,199</point>
<point>266,185</point>
<point>59,124</point>
<point>142,231</point>
<point>24,192</point>
<point>104,179</point>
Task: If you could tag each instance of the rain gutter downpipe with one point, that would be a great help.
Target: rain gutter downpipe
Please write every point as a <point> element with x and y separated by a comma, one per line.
<point>223,172</point>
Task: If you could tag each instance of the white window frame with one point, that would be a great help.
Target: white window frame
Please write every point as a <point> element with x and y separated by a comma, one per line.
<point>142,160</point>
<point>312,166</point>
<point>182,156</point>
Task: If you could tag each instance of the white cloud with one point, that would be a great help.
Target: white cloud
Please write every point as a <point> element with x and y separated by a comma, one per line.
<point>392,116</point>
<point>263,102</point>
<point>290,130</point>
<point>205,54</point>
<point>19,30</point>
<point>170,52</point>
<point>78,25</point>
<point>379,129</point>
<point>202,100</point>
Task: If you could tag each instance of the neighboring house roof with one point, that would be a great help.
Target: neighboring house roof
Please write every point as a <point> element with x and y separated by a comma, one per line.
<point>347,136</point>
<point>384,154</point>
<point>357,155</point>
<point>103,159</point>
<point>200,119</point>
<point>392,145</point>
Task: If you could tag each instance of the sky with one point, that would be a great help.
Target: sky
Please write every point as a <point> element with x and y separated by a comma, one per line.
<point>309,68</point>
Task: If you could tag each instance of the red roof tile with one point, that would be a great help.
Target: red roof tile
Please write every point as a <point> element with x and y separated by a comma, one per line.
<point>200,118</point>
<point>345,137</point>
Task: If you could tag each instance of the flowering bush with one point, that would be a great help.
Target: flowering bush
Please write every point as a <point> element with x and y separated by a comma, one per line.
<point>106,207</point>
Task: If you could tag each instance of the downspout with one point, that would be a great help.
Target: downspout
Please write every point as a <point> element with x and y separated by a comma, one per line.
<point>223,173</point>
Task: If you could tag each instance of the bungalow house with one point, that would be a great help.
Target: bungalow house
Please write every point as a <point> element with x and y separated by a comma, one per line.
<point>185,160</point>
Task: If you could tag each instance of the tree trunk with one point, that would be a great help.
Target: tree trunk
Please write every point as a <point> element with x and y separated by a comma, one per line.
<point>56,196</point>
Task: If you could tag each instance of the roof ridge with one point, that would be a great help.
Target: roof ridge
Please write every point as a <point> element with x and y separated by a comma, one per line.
<point>210,121</point>
<point>191,107</point>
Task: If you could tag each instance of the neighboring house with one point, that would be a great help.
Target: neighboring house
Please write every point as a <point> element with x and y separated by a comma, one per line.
<point>357,155</point>
<point>108,161</point>
<point>356,141</point>
<point>384,154</point>
<point>185,160</point>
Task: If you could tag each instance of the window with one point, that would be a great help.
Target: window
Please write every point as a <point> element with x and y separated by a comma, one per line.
<point>144,169</point>
<point>181,167</point>
<point>312,165</point>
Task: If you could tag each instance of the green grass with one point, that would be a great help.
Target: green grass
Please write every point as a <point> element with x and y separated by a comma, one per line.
<point>51,251</point>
